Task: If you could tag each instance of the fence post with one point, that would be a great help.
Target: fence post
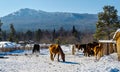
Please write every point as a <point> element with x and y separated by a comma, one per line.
<point>73,50</point>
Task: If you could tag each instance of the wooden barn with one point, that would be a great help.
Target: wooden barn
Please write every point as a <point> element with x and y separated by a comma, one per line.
<point>116,37</point>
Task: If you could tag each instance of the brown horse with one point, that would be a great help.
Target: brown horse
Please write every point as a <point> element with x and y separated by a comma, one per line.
<point>97,51</point>
<point>56,49</point>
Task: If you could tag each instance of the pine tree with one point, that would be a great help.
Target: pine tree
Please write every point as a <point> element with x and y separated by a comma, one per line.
<point>53,35</point>
<point>29,35</point>
<point>61,32</point>
<point>0,30</point>
<point>107,23</point>
<point>74,32</point>
<point>12,36</point>
<point>38,35</point>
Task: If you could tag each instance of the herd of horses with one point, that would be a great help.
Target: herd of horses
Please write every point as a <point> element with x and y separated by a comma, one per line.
<point>90,49</point>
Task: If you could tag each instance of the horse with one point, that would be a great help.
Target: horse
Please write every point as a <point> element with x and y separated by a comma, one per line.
<point>56,49</point>
<point>97,51</point>
<point>79,46</point>
<point>96,48</point>
<point>85,47</point>
<point>89,49</point>
<point>36,48</point>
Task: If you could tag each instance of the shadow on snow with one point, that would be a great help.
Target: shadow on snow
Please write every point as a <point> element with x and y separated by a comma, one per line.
<point>68,62</point>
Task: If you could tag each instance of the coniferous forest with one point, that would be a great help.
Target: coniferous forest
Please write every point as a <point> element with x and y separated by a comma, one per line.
<point>48,36</point>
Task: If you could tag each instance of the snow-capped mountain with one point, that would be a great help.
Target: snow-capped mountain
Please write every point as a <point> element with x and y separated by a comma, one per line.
<point>31,19</point>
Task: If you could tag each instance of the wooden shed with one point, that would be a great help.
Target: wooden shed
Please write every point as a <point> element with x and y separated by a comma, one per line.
<point>117,38</point>
<point>108,46</point>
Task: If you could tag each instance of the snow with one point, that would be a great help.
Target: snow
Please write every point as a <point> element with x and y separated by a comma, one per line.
<point>25,61</point>
<point>107,41</point>
<point>8,44</point>
<point>118,30</point>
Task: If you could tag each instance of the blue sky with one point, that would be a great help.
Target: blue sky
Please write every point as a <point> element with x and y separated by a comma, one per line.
<point>76,6</point>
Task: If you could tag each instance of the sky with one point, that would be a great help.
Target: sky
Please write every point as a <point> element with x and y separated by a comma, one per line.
<point>75,6</point>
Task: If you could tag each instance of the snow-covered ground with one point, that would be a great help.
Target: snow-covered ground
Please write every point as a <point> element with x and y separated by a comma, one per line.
<point>27,62</point>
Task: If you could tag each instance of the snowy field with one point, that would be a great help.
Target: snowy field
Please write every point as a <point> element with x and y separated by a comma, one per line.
<point>27,62</point>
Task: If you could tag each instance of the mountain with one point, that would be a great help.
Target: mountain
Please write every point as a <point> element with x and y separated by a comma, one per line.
<point>30,19</point>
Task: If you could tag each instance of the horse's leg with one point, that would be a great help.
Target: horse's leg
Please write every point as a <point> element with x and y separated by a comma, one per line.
<point>100,53</point>
<point>54,55</point>
<point>58,57</point>
<point>33,51</point>
<point>38,50</point>
<point>95,54</point>
<point>78,50</point>
<point>97,51</point>
<point>73,50</point>
<point>51,56</point>
<point>84,53</point>
<point>88,54</point>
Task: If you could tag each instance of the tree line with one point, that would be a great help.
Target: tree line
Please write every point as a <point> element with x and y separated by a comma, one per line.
<point>61,35</point>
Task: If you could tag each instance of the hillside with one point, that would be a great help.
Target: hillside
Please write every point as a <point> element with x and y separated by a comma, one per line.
<point>31,19</point>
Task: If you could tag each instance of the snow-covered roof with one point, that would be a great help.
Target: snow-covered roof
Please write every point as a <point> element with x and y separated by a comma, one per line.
<point>107,41</point>
<point>118,30</point>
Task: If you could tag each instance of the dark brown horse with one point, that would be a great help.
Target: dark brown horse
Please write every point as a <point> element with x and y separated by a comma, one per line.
<point>56,49</point>
<point>36,48</point>
<point>96,48</point>
<point>89,49</point>
<point>85,47</point>
<point>79,46</point>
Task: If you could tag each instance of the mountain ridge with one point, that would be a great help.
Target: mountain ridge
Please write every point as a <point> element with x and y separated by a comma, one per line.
<point>31,19</point>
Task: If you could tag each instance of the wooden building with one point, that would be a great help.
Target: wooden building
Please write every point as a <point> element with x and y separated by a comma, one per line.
<point>108,46</point>
<point>116,37</point>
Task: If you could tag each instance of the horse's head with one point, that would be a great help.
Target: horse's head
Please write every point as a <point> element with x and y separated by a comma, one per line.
<point>61,52</point>
<point>63,57</point>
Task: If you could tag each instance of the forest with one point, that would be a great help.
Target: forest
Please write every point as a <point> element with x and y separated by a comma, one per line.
<point>48,36</point>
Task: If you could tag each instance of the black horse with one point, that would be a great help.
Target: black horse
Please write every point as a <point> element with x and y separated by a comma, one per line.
<point>36,48</point>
